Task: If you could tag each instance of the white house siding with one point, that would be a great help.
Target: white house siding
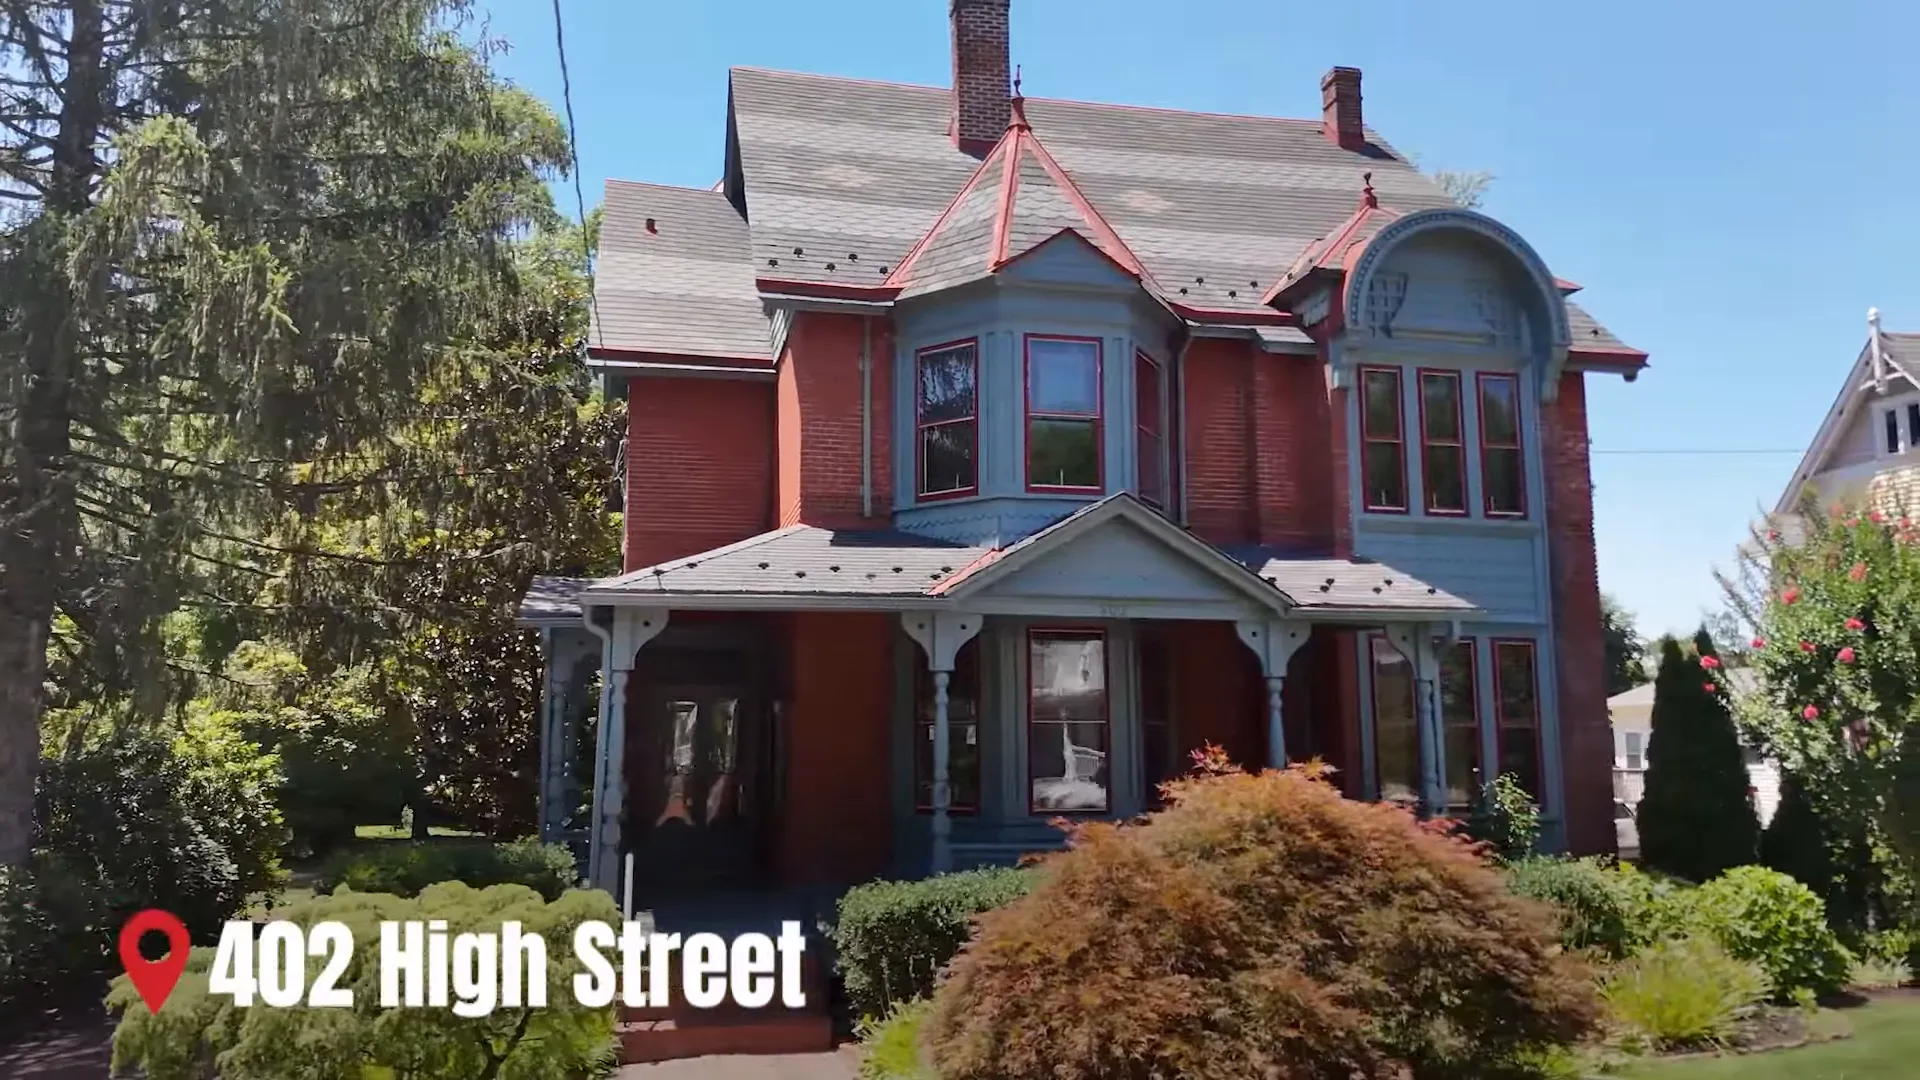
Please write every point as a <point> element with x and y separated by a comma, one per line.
<point>1633,711</point>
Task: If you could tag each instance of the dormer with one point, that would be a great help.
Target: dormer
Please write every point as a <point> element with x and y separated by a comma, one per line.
<point>1035,368</point>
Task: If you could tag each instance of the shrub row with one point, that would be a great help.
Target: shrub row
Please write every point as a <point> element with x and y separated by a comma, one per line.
<point>892,938</point>
<point>404,868</point>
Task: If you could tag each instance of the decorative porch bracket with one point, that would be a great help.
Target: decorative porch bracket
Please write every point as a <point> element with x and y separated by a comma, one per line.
<point>1274,641</point>
<point>632,628</point>
<point>940,636</point>
<point>1415,642</point>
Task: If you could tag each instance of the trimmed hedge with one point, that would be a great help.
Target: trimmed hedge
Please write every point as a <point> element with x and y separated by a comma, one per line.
<point>406,868</point>
<point>1598,907</point>
<point>892,938</point>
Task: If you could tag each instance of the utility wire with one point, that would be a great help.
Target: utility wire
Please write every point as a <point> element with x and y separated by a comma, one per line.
<point>573,147</point>
<point>1687,453</point>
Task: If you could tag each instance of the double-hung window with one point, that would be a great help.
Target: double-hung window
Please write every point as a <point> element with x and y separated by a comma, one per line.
<point>1460,721</point>
<point>1063,414</point>
<point>1068,735</point>
<point>1383,443</point>
<point>1443,450</point>
<point>1899,426</point>
<point>1516,702</point>
<point>947,418</point>
<point>1502,477</point>
<point>1396,725</point>
<point>1150,428</point>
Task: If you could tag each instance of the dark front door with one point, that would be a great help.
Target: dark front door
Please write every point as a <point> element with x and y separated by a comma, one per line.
<point>698,775</point>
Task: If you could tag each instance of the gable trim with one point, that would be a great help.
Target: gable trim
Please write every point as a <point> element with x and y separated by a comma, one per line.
<point>1814,461</point>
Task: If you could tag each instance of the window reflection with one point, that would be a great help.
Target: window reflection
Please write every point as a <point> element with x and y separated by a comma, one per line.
<point>1396,732</point>
<point>1067,730</point>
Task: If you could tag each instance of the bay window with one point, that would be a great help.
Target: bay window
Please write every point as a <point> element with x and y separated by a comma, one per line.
<point>1459,722</point>
<point>1068,733</point>
<point>1150,425</point>
<point>963,733</point>
<point>1396,725</point>
<point>1443,450</point>
<point>1383,451</point>
<point>1516,702</point>
<point>1502,475</point>
<point>947,420</point>
<point>1063,414</point>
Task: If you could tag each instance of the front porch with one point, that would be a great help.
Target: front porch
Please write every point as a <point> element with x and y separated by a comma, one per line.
<point>816,708</point>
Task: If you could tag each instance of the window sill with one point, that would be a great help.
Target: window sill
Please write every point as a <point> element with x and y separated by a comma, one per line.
<point>1404,522</point>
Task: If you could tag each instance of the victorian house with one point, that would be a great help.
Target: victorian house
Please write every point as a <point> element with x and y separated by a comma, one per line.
<point>987,454</point>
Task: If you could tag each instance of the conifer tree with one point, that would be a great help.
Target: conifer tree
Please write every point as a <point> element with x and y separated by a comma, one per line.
<point>1697,816</point>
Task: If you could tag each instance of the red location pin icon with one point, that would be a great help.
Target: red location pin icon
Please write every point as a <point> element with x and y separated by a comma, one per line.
<point>154,979</point>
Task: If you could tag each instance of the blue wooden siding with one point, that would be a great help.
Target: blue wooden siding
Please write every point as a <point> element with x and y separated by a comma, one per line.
<point>1065,289</point>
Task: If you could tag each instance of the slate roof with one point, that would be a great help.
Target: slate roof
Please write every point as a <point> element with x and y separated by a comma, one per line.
<point>841,179</point>
<point>1322,582</point>
<point>551,600</point>
<point>683,286</point>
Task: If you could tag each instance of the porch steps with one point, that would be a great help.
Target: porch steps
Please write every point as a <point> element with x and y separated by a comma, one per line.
<point>680,1030</point>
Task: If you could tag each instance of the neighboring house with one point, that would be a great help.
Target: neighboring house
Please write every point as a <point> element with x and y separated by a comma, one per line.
<point>987,455</point>
<point>1868,446</point>
<point>1631,713</point>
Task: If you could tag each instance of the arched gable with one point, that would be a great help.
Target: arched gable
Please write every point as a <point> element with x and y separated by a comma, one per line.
<point>1521,308</point>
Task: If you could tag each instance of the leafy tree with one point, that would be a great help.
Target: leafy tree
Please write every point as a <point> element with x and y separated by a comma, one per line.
<point>1469,189</point>
<point>1836,644</point>
<point>1696,818</point>
<point>1625,651</point>
<point>236,348</point>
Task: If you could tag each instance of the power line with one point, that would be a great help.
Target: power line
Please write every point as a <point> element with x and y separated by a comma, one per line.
<point>1682,452</point>
<point>573,148</point>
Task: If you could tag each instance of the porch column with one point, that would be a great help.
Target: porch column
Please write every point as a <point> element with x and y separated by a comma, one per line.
<point>1274,641</point>
<point>940,636</point>
<point>1415,642</point>
<point>563,649</point>
<point>630,629</point>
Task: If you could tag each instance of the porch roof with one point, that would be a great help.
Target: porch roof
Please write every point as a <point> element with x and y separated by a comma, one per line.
<point>807,567</point>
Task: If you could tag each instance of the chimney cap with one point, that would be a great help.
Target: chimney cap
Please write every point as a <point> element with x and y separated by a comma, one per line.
<point>1339,74</point>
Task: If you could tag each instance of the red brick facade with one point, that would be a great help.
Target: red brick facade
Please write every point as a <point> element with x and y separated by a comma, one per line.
<point>700,465</point>
<point>819,422</point>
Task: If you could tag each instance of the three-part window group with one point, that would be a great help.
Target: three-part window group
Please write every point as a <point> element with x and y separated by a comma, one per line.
<point>1442,443</point>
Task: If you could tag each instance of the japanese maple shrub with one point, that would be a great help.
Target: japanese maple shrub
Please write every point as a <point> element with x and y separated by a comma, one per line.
<point>1260,925</point>
<point>1696,818</point>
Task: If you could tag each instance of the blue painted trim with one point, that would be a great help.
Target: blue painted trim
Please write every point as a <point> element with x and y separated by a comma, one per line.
<point>1548,296</point>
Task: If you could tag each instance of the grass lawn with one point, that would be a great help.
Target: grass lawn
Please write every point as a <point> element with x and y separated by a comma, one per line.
<point>1885,1046</point>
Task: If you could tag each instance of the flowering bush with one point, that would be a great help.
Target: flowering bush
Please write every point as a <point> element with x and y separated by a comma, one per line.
<point>1261,925</point>
<point>1837,650</point>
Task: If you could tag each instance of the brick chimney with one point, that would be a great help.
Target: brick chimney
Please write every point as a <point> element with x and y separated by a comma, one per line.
<point>1340,118</point>
<point>981,74</point>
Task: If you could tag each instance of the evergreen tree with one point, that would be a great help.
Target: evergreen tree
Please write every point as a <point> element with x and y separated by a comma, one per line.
<point>1697,817</point>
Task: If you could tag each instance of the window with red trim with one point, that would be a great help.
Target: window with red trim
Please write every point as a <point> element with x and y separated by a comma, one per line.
<point>1459,722</point>
<point>963,733</point>
<point>1068,734</point>
<point>1159,759</point>
<point>1063,414</point>
<point>1383,449</point>
<point>1150,429</point>
<point>1502,472</point>
<point>946,414</point>
<point>1516,703</point>
<point>1396,727</point>
<point>1443,448</point>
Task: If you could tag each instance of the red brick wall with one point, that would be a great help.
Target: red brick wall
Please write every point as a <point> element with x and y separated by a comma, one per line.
<point>836,824</point>
<point>699,465</point>
<point>1260,466</point>
<point>1219,696</point>
<point>1586,739</point>
<point>818,418</point>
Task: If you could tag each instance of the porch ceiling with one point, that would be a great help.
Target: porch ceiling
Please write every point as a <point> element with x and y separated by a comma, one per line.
<point>1114,551</point>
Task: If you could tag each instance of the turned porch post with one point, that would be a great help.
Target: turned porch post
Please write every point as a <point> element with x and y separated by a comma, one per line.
<point>1274,641</point>
<point>630,629</point>
<point>940,637</point>
<point>1415,642</point>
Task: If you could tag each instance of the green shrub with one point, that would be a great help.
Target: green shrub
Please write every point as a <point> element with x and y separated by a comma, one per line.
<point>562,1041</point>
<point>1768,918</point>
<point>1506,819</point>
<point>891,938</point>
<point>54,927</point>
<point>1696,818</point>
<point>184,822</point>
<point>1599,907</point>
<point>406,868</point>
<point>890,1048</point>
<point>1261,925</point>
<point>1878,973</point>
<point>1682,994</point>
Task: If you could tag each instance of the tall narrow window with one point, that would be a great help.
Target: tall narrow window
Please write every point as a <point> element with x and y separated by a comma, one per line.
<point>1150,426</point>
<point>1502,477</point>
<point>1443,451</point>
<point>963,733</point>
<point>1460,722</point>
<point>1067,732</point>
<point>1516,697</point>
<point>1633,750</point>
<point>1913,423</point>
<point>1892,424</point>
<point>1063,414</point>
<point>1383,449</point>
<point>1396,729</point>
<point>947,415</point>
<point>1159,758</point>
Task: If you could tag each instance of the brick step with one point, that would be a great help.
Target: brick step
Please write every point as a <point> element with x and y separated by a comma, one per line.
<point>646,1041</point>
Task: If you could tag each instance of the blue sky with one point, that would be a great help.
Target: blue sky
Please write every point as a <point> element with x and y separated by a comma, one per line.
<point>1722,180</point>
